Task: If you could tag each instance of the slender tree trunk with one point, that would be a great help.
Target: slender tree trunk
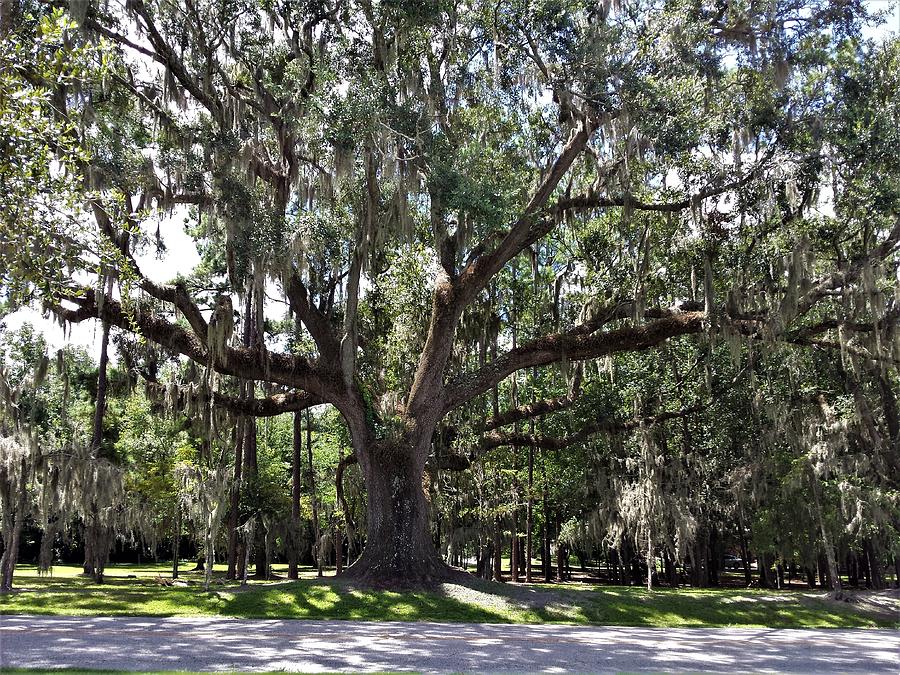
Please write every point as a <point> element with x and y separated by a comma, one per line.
<point>498,550</point>
<point>810,576</point>
<point>545,558</point>
<point>874,565</point>
<point>235,549</point>
<point>834,576</point>
<point>529,518</point>
<point>296,478</point>
<point>560,552</point>
<point>248,545</point>
<point>102,385</point>
<point>337,542</point>
<point>822,569</point>
<point>176,540</point>
<point>88,566</point>
<point>713,556</point>
<point>234,553</point>
<point>745,558</point>
<point>514,535</point>
<point>92,530</point>
<point>671,572</point>
<point>314,499</point>
<point>251,472</point>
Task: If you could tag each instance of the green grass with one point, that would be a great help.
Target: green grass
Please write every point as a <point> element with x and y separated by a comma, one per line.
<point>67,593</point>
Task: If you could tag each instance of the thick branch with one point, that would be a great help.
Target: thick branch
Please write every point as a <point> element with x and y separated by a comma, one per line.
<point>251,364</point>
<point>592,200</point>
<point>451,296</point>
<point>843,277</point>
<point>315,321</point>
<point>168,56</point>
<point>572,346</point>
<point>175,294</point>
<point>268,406</point>
<point>496,439</point>
<point>529,411</point>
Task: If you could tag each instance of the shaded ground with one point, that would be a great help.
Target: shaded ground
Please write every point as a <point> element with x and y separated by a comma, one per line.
<point>478,601</point>
<point>352,646</point>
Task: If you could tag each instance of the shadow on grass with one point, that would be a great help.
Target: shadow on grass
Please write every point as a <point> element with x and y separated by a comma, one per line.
<point>475,601</point>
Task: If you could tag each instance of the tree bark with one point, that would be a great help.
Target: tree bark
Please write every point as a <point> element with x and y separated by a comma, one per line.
<point>834,576</point>
<point>745,555</point>
<point>337,543</point>
<point>399,549</point>
<point>93,548</point>
<point>514,535</point>
<point>873,563</point>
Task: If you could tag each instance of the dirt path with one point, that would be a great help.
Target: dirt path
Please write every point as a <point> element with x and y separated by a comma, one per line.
<point>213,643</point>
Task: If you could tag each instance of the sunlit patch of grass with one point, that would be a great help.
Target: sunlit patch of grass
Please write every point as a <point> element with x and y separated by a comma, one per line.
<point>143,594</point>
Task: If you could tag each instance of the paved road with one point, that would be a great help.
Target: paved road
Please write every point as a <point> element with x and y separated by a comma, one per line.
<point>356,646</point>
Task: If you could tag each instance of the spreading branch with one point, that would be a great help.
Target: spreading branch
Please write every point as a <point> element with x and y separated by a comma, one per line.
<point>251,364</point>
<point>267,406</point>
<point>571,345</point>
<point>497,439</point>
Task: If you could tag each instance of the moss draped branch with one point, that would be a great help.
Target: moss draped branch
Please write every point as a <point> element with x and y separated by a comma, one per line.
<point>571,345</point>
<point>251,364</point>
<point>497,439</point>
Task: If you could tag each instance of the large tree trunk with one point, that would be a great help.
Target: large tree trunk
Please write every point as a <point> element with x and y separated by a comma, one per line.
<point>399,549</point>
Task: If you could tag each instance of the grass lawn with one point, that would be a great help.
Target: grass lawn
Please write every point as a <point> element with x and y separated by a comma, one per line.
<point>136,591</point>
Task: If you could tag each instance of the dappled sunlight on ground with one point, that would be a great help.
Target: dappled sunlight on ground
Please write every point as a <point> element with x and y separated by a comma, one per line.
<point>224,644</point>
<point>134,590</point>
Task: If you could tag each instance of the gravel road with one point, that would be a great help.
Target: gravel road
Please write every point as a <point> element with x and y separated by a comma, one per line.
<point>137,643</point>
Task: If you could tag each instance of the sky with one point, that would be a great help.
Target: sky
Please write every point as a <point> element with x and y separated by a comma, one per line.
<point>181,253</point>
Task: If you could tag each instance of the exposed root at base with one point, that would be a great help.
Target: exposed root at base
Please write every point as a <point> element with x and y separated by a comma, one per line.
<point>385,576</point>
